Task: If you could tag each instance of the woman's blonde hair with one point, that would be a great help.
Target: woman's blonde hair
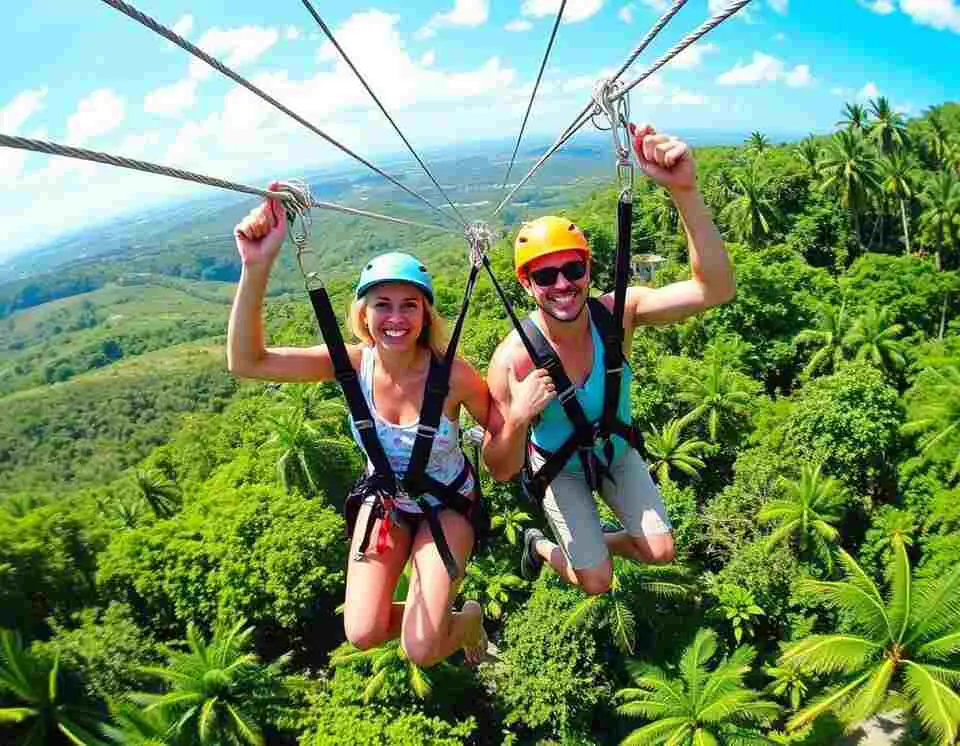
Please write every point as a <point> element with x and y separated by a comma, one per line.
<point>434,334</point>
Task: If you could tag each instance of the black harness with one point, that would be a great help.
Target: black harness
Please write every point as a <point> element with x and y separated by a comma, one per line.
<point>383,484</point>
<point>587,433</point>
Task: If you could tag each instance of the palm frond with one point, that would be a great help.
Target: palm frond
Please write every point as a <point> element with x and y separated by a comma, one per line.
<point>936,704</point>
<point>832,653</point>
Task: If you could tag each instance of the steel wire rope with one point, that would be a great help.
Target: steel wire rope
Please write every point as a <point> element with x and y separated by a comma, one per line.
<point>52,148</point>
<point>585,114</point>
<point>172,36</point>
<point>533,94</point>
<point>333,40</point>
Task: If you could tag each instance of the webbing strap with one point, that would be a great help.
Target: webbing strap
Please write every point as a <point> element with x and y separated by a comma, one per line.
<point>434,396</point>
<point>347,378</point>
<point>583,430</point>
<point>613,338</point>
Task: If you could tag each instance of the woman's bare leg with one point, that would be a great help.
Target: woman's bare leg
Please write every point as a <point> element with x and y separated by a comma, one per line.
<point>431,630</point>
<point>370,617</point>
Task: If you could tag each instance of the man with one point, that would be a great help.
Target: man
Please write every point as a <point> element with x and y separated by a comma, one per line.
<point>552,263</point>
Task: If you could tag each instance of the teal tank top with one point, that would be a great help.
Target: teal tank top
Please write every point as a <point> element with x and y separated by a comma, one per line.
<point>553,428</point>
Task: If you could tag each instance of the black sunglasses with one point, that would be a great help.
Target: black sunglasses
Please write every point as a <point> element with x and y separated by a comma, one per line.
<point>547,276</point>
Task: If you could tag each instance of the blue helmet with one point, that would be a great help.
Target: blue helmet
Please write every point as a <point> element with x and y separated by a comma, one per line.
<point>395,267</point>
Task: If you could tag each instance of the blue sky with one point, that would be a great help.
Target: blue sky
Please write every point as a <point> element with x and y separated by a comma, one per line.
<point>449,70</point>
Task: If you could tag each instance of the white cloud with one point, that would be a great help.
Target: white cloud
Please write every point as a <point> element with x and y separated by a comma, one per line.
<point>24,105</point>
<point>882,7</point>
<point>99,113</point>
<point>687,98</point>
<point>171,99</point>
<point>464,13</point>
<point>763,68</point>
<point>660,5</point>
<point>576,10</point>
<point>12,117</point>
<point>518,25</point>
<point>234,47</point>
<point>292,33</point>
<point>139,145</point>
<point>780,37</point>
<point>938,14</point>
<point>428,58</point>
<point>626,13</point>
<point>870,90</point>
<point>799,77</point>
<point>692,56</point>
<point>184,26</point>
<point>779,6</point>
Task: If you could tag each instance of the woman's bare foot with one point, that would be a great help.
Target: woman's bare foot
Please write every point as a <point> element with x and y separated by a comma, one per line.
<point>475,640</point>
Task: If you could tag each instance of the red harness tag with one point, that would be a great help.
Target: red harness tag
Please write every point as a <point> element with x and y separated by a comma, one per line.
<point>386,521</point>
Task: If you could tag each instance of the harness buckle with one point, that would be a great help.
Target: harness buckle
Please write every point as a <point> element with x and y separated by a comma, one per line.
<point>363,424</point>
<point>427,431</point>
<point>564,396</point>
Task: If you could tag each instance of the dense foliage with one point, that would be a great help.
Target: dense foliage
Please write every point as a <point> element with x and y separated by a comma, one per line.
<point>172,551</point>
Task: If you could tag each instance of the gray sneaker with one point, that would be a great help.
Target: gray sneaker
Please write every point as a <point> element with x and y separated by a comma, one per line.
<point>531,562</point>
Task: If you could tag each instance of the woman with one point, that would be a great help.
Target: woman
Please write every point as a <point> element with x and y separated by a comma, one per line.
<point>400,333</point>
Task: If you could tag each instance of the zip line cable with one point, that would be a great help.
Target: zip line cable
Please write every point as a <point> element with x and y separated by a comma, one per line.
<point>533,94</point>
<point>172,36</point>
<point>586,114</point>
<point>52,148</point>
<point>694,36</point>
<point>346,58</point>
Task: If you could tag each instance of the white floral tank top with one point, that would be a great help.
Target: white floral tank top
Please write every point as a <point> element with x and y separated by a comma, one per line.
<point>446,459</point>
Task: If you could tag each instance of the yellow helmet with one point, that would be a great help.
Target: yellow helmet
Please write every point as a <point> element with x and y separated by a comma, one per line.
<point>547,235</point>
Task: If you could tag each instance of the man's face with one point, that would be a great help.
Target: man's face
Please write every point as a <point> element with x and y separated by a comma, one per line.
<point>559,283</point>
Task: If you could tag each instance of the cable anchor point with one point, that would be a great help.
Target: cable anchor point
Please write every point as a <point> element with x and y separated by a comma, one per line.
<point>297,201</point>
<point>480,239</point>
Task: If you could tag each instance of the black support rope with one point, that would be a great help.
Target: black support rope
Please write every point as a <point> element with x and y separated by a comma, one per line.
<point>346,58</point>
<point>172,36</point>
<point>533,94</point>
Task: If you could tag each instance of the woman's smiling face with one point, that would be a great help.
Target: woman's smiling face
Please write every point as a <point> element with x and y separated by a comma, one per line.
<point>395,313</point>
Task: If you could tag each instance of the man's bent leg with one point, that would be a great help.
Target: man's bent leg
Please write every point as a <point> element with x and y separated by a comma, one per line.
<point>634,497</point>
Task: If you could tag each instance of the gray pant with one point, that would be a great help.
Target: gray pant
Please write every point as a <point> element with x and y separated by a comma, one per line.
<point>573,516</point>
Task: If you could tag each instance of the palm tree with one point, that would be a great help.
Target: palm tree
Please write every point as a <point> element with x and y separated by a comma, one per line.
<point>751,214</point>
<point>511,520</point>
<point>215,687</point>
<point>850,168</point>
<point>665,216</point>
<point>808,152</point>
<point>938,136</point>
<point>162,496</point>
<point>668,451</point>
<point>489,584</point>
<point>888,128</point>
<point>827,336</point>
<point>758,143</point>
<point>648,583</point>
<point>897,648</point>
<point>790,681</point>
<point>691,705</point>
<point>897,181</point>
<point>300,447</point>
<point>718,398</point>
<point>874,338</point>
<point>854,117</point>
<point>941,202</point>
<point>47,711</point>
<point>387,661</point>
<point>807,514</point>
<point>937,415</point>
<point>134,727</point>
<point>737,607</point>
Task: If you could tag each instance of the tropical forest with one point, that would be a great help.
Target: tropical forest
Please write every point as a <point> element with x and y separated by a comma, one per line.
<point>172,540</point>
